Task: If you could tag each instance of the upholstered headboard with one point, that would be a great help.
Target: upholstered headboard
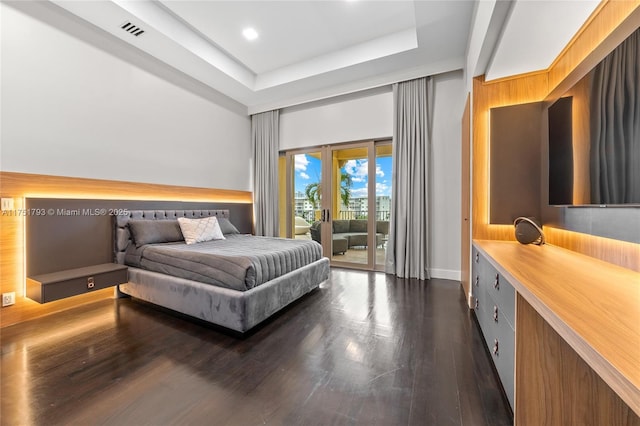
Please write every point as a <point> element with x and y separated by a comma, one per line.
<point>123,236</point>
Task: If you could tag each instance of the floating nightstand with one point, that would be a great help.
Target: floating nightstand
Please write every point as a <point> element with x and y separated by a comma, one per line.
<point>71,282</point>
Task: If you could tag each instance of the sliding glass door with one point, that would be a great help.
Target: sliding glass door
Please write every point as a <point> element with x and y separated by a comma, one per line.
<point>383,157</point>
<point>304,190</point>
<point>340,196</point>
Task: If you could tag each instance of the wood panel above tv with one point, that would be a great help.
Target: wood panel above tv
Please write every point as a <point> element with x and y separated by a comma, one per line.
<point>587,232</point>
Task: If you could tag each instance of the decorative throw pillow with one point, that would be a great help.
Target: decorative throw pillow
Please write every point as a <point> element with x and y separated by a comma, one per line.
<point>154,231</point>
<point>226,226</point>
<point>200,230</point>
<point>358,225</point>
<point>340,226</point>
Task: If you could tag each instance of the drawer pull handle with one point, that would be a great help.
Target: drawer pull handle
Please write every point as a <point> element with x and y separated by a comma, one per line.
<point>476,304</point>
<point>495,313</point>
<point>496,283</point>
<point>495,347</point>
<point>477,257</point>
<point>477,280</point>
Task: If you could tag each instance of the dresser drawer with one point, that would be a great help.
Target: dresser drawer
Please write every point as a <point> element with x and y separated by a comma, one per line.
<point>503,293</point>
<point>483,273</point>
<point>495,312</point>
<point>505,358</point>
<point>477,290</point>
<point>480,294</point>
<point>500,338</point>
<point>485,319</point>
<point>475,273</point>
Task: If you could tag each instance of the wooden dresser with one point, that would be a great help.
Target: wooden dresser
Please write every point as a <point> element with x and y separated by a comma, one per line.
<point>575,353</point>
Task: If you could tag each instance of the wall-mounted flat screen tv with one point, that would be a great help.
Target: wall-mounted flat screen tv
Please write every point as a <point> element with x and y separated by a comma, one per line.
<point>594,134</point>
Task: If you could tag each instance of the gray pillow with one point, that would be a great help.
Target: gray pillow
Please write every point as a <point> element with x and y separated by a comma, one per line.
<point>340,226</point>
<point>227,227</point>
<point>358,225</point>
<point>154,231</point>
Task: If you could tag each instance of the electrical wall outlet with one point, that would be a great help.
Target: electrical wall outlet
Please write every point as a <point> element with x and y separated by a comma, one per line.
<point>7,204</point>
<point>8,299</point>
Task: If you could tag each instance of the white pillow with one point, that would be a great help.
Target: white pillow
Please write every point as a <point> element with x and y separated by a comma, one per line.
<point>200,230</point>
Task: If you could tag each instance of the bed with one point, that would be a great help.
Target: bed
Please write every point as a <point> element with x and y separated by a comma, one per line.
<point>236,282</point>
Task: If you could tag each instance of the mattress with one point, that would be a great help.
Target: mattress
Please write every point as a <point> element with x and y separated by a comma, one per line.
<point>239,262</point>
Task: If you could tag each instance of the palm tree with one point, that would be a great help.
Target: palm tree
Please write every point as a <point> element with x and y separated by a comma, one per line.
<point>345,187</point>
<point>313,191</point>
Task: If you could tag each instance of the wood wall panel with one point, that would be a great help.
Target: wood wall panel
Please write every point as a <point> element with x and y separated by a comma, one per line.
<point>611,17</point>
<point>32,185</point>
<point>555,386</point>
<point>620,253</point>
<point>486,95</point>
<point>605,19</point>
<point>21,185</point>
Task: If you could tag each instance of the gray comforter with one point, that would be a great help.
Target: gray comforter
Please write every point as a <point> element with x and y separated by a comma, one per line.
<point>239,262</point>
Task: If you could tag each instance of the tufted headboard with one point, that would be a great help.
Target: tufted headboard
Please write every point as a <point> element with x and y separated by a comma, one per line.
<point>123,237</point>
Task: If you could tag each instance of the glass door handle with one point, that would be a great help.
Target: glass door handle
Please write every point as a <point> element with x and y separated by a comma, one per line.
<point>324,213</point>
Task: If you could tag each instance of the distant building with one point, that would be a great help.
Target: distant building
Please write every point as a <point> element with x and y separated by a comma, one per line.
<point>359,204</point>
<point>383,207</point>
<point>358,207</point>
<point>303,207</point>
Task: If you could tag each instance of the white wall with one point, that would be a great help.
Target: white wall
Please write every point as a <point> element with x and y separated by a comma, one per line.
<point>446,175</point>
<point>371,116</point>
<point>477,58</point>
<point>70,108</point>
<point>356,117</point>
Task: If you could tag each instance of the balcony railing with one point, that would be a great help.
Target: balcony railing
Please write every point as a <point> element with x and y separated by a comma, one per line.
<point>309,215</point>
<point>363,214</point>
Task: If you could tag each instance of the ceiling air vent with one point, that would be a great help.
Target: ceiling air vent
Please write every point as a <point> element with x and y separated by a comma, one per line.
<point>132,29</point>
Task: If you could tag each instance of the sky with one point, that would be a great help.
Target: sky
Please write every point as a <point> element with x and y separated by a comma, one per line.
<point>307,170</point>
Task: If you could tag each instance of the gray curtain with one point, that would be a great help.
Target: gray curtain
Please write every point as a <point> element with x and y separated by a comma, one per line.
<point>408,248</point>
<point>615,125</point>
<point>265,140</point>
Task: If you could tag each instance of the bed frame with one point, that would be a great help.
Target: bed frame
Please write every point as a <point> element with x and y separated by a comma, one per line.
<point>233,309</point>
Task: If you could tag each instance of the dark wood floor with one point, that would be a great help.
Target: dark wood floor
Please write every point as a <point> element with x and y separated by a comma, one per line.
<point>365,348</point>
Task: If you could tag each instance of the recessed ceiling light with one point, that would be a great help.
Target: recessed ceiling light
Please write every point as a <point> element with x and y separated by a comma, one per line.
<point>250,33</point>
